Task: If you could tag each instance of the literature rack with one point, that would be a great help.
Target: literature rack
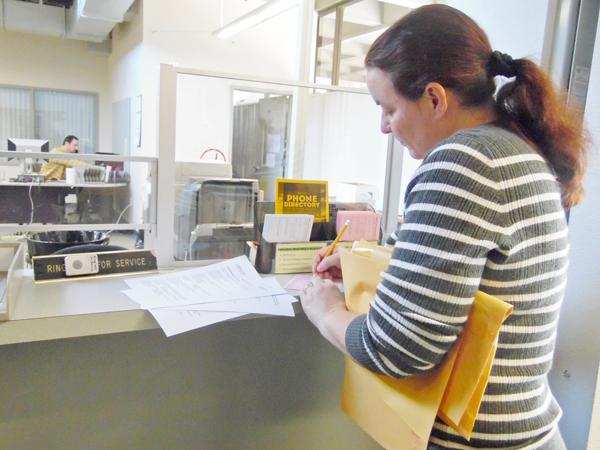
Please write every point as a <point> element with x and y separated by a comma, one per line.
<point>295,257</point>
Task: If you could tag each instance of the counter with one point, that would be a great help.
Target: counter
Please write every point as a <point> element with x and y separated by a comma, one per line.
<point>119,383</point>
<point>76,308</point>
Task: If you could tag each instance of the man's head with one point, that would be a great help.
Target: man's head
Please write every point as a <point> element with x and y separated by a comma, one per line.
<point>71,144</point>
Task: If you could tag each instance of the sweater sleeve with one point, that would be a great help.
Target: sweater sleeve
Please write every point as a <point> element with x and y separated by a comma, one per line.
<point>452,220</point>
<point>68,162</point>
<point>65,162</point>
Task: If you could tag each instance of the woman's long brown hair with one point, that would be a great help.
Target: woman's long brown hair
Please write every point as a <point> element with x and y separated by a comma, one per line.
<point>437,43</point>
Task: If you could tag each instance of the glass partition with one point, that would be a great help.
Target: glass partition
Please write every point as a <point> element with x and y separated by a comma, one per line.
<point>67,198</point>
<point>234,138</point>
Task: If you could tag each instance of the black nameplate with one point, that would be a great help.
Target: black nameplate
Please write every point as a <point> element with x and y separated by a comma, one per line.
<point>52,267</point>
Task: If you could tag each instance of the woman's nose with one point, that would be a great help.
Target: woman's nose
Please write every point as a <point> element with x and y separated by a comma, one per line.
<point>385,126</point>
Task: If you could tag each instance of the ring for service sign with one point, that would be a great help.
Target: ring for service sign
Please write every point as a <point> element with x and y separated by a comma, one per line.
<point>96,264</point>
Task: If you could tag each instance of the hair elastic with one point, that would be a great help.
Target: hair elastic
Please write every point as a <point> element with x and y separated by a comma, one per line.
<point>501,64</point>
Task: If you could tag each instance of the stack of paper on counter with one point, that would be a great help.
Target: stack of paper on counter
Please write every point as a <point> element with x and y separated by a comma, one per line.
<point>184,300</point>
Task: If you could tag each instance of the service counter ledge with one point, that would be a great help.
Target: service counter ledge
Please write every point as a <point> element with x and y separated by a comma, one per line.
<point>74,308</point>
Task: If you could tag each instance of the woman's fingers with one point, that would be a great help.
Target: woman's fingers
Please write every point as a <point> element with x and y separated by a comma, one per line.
<point>330,262</point>
<point>319,298</point>
<point>318,258</point>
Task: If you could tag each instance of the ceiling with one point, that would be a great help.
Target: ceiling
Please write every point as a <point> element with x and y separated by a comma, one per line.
<point>363,22</point>
<point>88,20</point>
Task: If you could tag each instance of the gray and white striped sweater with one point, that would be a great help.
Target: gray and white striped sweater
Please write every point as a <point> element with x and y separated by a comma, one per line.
<point>483,211</point>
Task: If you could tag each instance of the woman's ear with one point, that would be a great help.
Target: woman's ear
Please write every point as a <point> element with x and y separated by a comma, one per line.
<point>436,100</point>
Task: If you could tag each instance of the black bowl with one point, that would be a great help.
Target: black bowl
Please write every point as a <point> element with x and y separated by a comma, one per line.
<point>48,242</point>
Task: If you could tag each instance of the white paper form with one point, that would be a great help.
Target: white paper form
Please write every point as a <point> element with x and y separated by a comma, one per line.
<point>232,279</point>
<point>277,305</point>
<point>287,227</point>
<point>175,322</point>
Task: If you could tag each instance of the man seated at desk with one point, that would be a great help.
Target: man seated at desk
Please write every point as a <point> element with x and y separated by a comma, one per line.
<point>55,168</point>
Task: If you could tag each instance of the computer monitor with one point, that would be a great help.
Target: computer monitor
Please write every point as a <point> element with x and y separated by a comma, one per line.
<point>27,145</point>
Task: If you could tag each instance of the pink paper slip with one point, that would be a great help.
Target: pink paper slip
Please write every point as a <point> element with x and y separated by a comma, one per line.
<point>300,281</point>
<point>363,225</point>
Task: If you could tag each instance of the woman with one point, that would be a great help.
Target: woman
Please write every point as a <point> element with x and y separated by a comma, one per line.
<point>483,211</point>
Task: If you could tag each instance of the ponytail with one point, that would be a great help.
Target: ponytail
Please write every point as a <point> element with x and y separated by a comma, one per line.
<point>439,43</point>
<point>532,107</point>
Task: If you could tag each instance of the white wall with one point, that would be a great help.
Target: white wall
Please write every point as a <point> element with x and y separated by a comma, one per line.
<point>204,116</point>
<point>41,61</point>
<point>126,67</point>
<point>180,32</point>
<point>577,356</point>
<point>126,82</point>
<point>343,141</point>
<point>515,27</point>
<point>594,439</point>
<point>313,141</point>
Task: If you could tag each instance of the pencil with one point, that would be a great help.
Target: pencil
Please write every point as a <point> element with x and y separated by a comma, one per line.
<point>337,239</point>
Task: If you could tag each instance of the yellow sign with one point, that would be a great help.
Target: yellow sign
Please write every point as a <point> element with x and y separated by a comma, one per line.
<point>303,197</point>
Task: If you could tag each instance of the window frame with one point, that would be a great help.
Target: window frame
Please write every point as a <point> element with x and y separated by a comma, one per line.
<point>338,7</point>
<point>33,89</point>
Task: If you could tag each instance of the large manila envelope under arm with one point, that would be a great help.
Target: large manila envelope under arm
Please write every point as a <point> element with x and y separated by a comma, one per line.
<point>475,351</point>
<point>399,413</point>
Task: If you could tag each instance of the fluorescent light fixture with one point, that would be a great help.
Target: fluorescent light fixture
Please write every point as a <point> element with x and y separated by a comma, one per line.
<point>259,15</point>
<point>408,3</point>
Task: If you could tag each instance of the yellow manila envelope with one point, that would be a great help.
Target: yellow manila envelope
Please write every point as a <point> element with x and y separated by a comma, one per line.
<point>476,349</point>
<point>399,414</point>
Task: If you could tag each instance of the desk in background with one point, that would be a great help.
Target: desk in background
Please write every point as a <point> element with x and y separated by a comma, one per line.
<point>96,202</point>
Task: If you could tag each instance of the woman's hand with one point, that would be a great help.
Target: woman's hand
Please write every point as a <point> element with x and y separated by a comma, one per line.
<point>321,298</point>
<point>327,268</point>
<point>325,307</point>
